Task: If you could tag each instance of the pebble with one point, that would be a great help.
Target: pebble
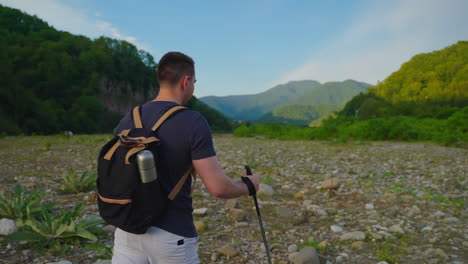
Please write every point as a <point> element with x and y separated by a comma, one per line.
<point>320,212</point>
<point>105,261</point>
<point>200,211</point>
<point>427,228</point>
<point>200,226</point>
<point>307,255</point>
<point>330,184</point>
<point>232,203</point>
<point>214,257</point>
<point>298,195</point>
<point>432,252</point>
<point>336,228</point>
<point>396,229</point>
<point>110,229</point>
<point>285,212</point>
<point>237,215</point>
<point>292,248</point>
<point>358,245</point>
<point>439,214</point>
<point>228,250</point>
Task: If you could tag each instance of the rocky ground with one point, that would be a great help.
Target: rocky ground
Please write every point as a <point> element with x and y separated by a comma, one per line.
<point>357,202</point>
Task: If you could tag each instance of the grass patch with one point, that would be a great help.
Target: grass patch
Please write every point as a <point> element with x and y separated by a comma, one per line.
<point>314,244</point>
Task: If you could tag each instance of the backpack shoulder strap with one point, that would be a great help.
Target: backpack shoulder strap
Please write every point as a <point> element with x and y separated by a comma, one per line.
<point>175,191</point>
<point>166,115</point>
<point>137,117</point>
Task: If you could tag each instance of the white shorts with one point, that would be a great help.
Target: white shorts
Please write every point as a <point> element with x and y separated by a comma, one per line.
<point>156,246</point>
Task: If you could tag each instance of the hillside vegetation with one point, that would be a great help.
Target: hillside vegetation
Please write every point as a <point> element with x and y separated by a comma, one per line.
<point>439,76</point>
<point>440,113</point>
<point>54,81</point>
<point>299,114</point>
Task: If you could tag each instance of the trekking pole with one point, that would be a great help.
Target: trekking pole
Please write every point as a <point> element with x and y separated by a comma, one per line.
<point>252,192</point>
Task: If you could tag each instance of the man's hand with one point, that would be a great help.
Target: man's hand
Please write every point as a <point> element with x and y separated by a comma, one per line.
<point>254,179</point>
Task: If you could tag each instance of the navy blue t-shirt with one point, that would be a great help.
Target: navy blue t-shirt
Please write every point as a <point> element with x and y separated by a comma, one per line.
<point>185,136</point>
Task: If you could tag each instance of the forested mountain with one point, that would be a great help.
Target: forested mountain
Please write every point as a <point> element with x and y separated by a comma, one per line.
<point>333,93</point>
<point>253,107</point>
<point>53,81</point>
<point>299,114</point>
<point>439,76</point>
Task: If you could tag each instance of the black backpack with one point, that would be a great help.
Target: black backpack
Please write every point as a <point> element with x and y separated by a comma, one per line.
<point>123,199</point>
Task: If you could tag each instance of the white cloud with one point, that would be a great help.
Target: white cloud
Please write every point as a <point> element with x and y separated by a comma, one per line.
<point>73,20</point>
<point>383,38</point>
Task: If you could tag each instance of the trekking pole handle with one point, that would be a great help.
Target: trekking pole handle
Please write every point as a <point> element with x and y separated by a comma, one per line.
<point>248,170</point>
<point>248,182</point>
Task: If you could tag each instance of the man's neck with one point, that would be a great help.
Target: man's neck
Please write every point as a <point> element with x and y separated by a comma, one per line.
<point>168,95</point>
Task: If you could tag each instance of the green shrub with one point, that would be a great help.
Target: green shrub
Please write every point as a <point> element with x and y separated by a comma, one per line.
<point>243,131</point>
<point>49,231</point>
<point>18,205</point>
<point>72,182</point>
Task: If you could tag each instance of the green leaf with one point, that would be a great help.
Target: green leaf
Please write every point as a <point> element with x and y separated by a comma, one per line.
<point>24,236</point>
<point>85,234</point>
<point>90,222</point>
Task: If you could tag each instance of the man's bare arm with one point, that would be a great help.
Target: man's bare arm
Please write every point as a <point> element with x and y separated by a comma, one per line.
<point>217,182</point>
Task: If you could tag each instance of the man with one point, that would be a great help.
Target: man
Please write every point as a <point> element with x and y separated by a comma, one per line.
<point>185,141</point>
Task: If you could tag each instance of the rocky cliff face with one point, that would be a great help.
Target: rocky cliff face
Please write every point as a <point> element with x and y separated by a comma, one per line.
<point>122,97</point>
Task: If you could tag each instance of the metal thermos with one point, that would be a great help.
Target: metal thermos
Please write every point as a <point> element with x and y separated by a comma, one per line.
<point>145,161</point>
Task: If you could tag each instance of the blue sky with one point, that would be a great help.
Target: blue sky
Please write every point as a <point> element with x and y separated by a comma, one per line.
<point>247,47</point>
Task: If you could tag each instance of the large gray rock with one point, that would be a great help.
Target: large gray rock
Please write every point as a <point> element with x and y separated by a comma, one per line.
<point>356,235</point>
<point>265,189</point>
<point>7,227</point>
<point>307,255</point>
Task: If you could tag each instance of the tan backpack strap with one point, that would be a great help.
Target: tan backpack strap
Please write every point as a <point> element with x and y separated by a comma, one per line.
<point>179,185</point>
<point>165,116</point>
<point>137,117</point>
<point>114,201</point>
<point>132,152</point>
<point>112,150</point>
<point>194,176</point>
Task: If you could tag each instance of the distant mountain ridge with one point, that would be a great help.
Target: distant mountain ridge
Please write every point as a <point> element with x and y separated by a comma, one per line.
<point>307,92</point>
<point>251,107</point>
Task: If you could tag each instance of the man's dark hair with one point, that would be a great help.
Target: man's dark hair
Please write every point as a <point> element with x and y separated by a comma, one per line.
<point>173,66</point>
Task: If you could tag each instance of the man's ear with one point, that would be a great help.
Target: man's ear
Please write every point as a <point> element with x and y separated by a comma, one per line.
<point>184,81</point>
